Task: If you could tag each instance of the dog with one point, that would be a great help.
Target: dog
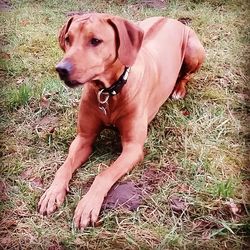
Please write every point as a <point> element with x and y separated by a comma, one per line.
<point>127,70</point>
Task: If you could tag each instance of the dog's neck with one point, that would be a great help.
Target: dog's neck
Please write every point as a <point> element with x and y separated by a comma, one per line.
<point>110,84</point>
<point>110,75</point>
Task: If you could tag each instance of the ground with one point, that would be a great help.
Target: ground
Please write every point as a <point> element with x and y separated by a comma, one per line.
<point>194,180</point>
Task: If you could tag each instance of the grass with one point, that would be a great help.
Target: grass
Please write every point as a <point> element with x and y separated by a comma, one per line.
<point>198,146</point>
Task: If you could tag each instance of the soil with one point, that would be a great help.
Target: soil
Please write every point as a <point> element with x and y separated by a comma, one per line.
<point>159,4</point>
<point>125,195</point>
<point>129,194</point>
<point>5,5</point>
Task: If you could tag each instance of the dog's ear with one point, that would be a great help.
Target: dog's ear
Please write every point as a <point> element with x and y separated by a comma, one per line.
<point>63,31</point>
<point>129,39</point>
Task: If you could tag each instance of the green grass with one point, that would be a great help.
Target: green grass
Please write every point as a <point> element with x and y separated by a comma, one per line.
<point>205,137</point>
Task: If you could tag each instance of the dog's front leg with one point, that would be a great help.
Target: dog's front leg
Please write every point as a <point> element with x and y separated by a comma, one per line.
<point>79,151</point>
<point>89,206</point>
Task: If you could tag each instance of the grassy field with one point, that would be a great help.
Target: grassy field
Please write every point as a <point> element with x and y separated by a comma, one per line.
<point>197,195</point>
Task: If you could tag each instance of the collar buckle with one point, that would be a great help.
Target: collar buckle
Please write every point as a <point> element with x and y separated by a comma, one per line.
<point>104,94</point>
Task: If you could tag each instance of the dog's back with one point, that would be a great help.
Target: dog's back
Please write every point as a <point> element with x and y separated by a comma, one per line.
<point>165,40</point>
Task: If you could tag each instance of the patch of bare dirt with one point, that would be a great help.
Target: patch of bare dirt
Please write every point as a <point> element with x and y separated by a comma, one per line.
<point>178,204</point>
<point>86,185</point>
<point>3,195</point>
<point>6,242</point>
<point>153,177</point>
<point>230,210</point>
<point>34,181</point>
<point>158,4</point>
<point>5,55</point>
<point>204,227</point>
<point>128,194</point>
<point>46,125</point>
<point>5,5</point>
<point>125,195</point>
<point>55,246</point>
<point>72,13</point>
<point>8,223</point>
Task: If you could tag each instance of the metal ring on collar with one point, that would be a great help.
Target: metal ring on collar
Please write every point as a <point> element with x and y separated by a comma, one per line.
<point>105,98</point>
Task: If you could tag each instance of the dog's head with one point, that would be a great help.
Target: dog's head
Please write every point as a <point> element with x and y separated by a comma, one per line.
<point>92,43</point>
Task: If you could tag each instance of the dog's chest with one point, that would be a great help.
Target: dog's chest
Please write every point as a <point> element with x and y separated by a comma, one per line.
<point>106,115</point>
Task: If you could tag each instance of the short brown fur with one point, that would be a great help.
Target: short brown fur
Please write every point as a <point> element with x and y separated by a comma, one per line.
<point>161,65</point>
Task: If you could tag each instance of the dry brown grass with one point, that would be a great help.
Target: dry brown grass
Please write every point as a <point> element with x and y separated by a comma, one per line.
<point>195,176</point>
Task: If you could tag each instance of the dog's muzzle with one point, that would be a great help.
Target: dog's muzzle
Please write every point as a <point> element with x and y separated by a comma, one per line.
<point>64,69</point>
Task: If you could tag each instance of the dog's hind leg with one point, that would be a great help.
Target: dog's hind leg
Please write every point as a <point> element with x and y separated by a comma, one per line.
<point>193,58</point>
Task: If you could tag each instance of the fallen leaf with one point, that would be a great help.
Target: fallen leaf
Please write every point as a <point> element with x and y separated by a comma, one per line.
<point>24,22</point>
<point>154,177</point>
<point>72,13</point>
<point>37,182</point>
<point>26,173</point>
<point>55,246</point>
<point>20,80</point>
<point>46,125</point>
<point>185,112</point>
<point>232,206</point>
<point>79,241</point>
<point>177,204</point>
<point>2,187</point>
<point>47,120</point>
<point>205,235</point>
<point>5,5</point>
<point>8,223</point>
<point>47,95</point>
<point>4,55</point>
<point>184,188</point>
<point>6,241</point>
<point>3,195</point>
<point>153,3</point>
<point>75,103</point>
<point>52,130</point>
<point>44,102</point>
<point>201,225</point>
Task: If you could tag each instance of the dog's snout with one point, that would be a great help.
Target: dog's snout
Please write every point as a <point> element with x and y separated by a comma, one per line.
<point>64,70</point>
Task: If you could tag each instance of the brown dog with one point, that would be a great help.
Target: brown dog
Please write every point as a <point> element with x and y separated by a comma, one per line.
<point>100,50</point>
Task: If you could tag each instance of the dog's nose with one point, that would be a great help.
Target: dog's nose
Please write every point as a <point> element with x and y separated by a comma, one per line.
<point>64,69</point>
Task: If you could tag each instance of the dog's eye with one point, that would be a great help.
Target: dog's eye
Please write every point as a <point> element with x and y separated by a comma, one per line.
<point>67,39</point>
<point>95,42</point>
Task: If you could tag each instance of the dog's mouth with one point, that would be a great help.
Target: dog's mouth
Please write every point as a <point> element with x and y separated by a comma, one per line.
<point>72,77</point>
<point>72,84</point>
<point>75,83</point>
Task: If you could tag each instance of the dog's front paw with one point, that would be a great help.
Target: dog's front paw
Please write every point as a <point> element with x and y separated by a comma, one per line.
<point>179,91</point>
<point>87,210</point>
<point>179,94</point>
<point>51,199</point>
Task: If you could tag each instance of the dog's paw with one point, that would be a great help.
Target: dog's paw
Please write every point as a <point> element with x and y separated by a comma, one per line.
<point>179,91</point>
<point>178,94</point>
<point>51,199</point>
<point>87,210</point>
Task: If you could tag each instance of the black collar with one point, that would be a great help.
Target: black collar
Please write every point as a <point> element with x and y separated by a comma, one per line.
<point>116,87</point>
